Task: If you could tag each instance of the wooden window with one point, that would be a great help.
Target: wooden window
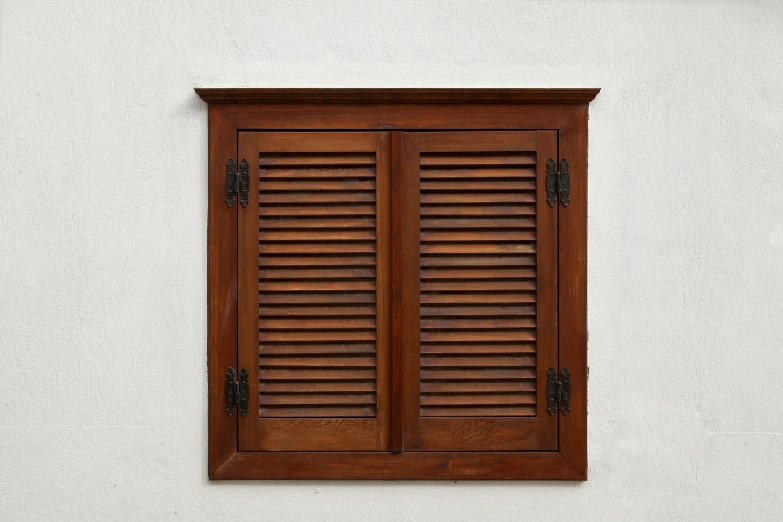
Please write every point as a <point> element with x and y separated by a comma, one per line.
<point>396,283</point>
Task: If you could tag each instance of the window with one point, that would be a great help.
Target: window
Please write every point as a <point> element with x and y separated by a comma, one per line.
<point>397,284</point>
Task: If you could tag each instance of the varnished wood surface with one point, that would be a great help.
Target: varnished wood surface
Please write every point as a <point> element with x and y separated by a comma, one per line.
<point>296,434</point>
<point>409,326</point>
<point>573,291</point>
<point>374,96</point>
<point>222,291</point>
<point>383,291</point>
<point>398,353</point>
<point>546,283</point>
<point>468,465</point>
<point>314,310</point>
<point>451,223</point>
<point>356,116</point>
<point>487,243</point>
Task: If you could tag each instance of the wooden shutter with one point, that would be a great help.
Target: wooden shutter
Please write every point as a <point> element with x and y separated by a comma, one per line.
<point>479,298</point>
<point>313,291</point>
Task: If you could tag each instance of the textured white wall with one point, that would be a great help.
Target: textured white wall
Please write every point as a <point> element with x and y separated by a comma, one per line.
<point>103,230</point>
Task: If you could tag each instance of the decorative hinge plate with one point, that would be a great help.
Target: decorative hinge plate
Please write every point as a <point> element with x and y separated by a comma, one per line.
<point>564,183</point>
<point>237,392</point>
<point>237,182</point>
<point>558,182</point>
<point>558,391</point>
<point>551,182</point>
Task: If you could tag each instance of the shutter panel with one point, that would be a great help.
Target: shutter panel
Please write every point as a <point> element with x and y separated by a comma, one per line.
<point>313,291</point>
<point>483,290</point>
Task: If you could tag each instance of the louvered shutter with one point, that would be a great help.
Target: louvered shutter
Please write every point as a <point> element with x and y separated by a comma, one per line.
<point>480,290</point>
<point>313,291</point>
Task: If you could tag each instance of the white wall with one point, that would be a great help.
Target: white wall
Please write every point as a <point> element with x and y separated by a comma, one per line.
<point>103,219</point>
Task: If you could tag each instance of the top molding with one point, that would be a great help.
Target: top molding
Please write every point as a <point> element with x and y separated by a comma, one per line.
<point>398,96</point>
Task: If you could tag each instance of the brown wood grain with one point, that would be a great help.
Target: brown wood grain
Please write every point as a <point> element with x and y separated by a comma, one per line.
<point>307,261</point>
<point>478,273</point>
<point>308,312</point>
<point>241,95</point>
<point>315,211</point>
<point>546,282</point>
<point>310,160</point>
<point>473,192</point>
<point>473,298</point>
<point>480,323</point>
<point>457,198</point>
<point>503,173</point>
<point>307,360</point>
<point>462,185</point>
<point>398,354</point>
<point>291,434</point>
<point>394,116</point>
<point>303,184</point>
<point>498,433</point>
<point>472,236</point>
<point>573,291</point>
<point>408,245</point>
<point>317,273</point>
<point>473,348</point>
<point>504,211</point>
<point>314,291</point>
<point>338,171</point>
<point>486,361</point>
<point>491,284</point>
<point>247,283</point>
<point>460,223</point>
<point>319,348</point>
<point>221,291</point>
<point>470,465</point>
<point>458,144</point>
<point>344,144</point>
<point>383,290</point>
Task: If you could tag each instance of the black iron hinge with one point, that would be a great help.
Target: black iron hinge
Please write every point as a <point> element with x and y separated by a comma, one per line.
<point>237,392</point>
<point>558,182</point>
<point>237,182</point>
<point>558,391</point>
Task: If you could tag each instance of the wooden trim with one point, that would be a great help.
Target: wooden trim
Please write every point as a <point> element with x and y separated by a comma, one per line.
<point>398,325</point>
<point>573,291</point>
<point>477,141</point>
<point>383,296</point>
<point>312,434</point>
<point>278,465</point>
<point>282,142</point>
<point>390,116</point>
<point>373,96</point>
<point>546,286</point>
<point>221,291</point>
<point>409,273</point>
<point>247,289</point>
<point>543,110</point>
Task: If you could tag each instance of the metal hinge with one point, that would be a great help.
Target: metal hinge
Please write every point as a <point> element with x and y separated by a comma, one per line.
<point>558,182</point>
<point>558,391</point>
<point>237,182</point>
<point>237,392</point>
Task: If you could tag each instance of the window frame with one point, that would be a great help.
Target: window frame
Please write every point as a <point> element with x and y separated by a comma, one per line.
<point>235,110</point>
